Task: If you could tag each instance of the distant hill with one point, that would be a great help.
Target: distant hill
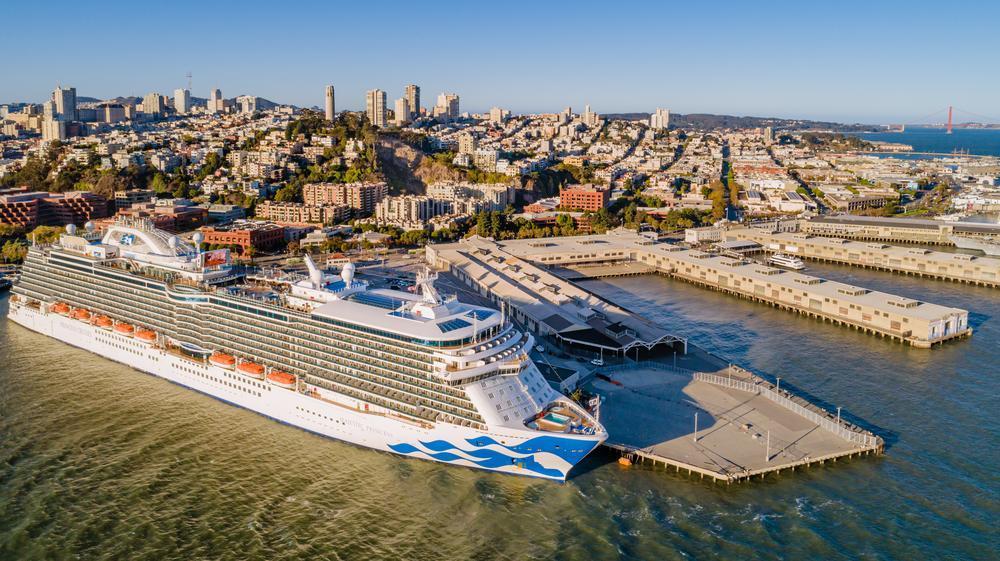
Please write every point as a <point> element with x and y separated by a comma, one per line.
<point>707,121</point>
<point>262,102</point>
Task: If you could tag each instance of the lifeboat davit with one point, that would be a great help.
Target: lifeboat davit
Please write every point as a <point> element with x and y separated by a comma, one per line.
<point>104,322</point>
<point>146,335</point>
<point>61,308</point>
<point>223,360</point>
<point>81,314</point>
<point>281,379</point>
<point>125,329</point>
<point>251,369</point>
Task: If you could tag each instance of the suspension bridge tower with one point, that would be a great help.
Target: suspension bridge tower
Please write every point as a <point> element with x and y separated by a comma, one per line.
<point>948,129</point>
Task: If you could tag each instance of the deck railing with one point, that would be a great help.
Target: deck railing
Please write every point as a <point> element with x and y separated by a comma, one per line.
<point>744,380</point>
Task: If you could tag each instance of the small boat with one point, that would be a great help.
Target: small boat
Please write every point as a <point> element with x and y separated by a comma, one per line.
<point>104,322</point>
<point>251,369</point>
<point>281,379</point>
<point>125,329</point>
<point>146,335</point>
<point>61,308</point>
<point>81,314</point>
<point>786,261</point>
<point>223,360</point>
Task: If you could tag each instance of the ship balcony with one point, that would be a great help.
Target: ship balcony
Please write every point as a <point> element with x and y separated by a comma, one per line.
<point>511,364</point>
<point>472,349</point>
<point>497,355</point>
<point>488,352</point>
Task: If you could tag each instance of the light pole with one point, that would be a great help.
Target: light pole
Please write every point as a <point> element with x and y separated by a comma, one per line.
<point>838,416</point>
<point>778,387</point>
<point>696,426</point>
<point>767,453</point>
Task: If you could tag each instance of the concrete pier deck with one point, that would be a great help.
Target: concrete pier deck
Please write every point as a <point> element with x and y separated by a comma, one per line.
<point>745,427</point>
<point>956,267</point>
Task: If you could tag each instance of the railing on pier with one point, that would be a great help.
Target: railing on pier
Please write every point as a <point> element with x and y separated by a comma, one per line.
<point>744,380</point>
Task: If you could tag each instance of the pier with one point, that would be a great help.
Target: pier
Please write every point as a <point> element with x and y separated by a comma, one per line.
<point>728,426</point>
<point>698,415</point>
<point>956,267</point>
<point>897,230</point>
<point>520,272</point>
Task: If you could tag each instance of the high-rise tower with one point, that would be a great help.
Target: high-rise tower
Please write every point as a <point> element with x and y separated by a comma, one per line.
<point>331,110</point>
<point>413,99</point>
<point>375,107</point>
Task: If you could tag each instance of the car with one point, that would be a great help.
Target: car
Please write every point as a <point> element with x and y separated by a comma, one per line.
<point>597,362</point>
<point>540,348</point>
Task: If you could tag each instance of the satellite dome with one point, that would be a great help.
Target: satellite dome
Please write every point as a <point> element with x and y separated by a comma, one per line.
<point>173,242</point>
<point>198,238</point>
<point>71,229</point>
<point>347,273</point>
<point>90,226</point>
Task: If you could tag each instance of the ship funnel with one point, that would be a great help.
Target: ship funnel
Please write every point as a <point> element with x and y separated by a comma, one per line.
<point>315,275</point>
<point>347,273</point>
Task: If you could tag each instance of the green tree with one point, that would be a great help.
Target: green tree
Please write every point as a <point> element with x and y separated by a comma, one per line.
<point>158,184</point>
<point>14,251</point>
<point>46,234</point>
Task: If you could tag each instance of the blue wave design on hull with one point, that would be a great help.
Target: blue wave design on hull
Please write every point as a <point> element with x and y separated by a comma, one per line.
<point>569,449</point>
<point>488,459</point>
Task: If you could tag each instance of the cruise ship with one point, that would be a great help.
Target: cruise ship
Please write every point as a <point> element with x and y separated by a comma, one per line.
<point>415,374</point>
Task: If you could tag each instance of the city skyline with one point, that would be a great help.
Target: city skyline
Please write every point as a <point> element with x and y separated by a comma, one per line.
<point>846,63</point>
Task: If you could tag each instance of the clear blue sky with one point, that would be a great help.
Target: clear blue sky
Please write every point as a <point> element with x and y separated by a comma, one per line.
<point>871,61</point>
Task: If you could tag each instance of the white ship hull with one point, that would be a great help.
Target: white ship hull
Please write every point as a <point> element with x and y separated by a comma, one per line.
<point>986,246</point>
<point>520,452</point>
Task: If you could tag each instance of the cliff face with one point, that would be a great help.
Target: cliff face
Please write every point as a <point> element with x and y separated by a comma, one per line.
<point>408,170</point>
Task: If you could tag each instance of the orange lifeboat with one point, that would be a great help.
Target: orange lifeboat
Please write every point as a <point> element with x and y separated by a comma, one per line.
<point>281,379</point>
<point>251,369</point>
<point>104,322</point>
<point>61,308</point>
<point>222,360</point>
<point>146,335</point>
<point>81,314</point>
<point>125,329</point>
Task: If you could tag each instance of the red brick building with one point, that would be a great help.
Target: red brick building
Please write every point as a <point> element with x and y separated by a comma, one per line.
<point>587,198</point>
<point>246,234</point>
<point>29,209</point>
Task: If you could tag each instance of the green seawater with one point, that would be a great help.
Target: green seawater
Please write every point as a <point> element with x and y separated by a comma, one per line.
<point>98,461</point>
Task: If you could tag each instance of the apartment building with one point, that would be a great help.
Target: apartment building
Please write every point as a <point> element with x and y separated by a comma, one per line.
<point>29,209</point>
<point>299,213</point>
<point>361,197</point>
<point>588,198</point>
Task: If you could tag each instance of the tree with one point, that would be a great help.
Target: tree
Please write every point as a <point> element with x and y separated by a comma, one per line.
<point>290,193</point>
<point>566,224</point>
<point>45,234</point>
<point>158,184</point>
<point>10,231</point>
<point>14,251</point>
<point>212,163</point>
